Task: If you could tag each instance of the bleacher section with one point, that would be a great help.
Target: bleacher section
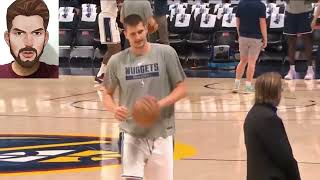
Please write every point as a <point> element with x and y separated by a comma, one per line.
<point>202,32</point>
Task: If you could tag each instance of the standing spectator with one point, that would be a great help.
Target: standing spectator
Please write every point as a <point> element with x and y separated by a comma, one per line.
<point>252,31</point>
<point>269,154</point>
<point>298,17</point>
<point>141,8</point>
<point>160,11</point>
<point>109,10</point>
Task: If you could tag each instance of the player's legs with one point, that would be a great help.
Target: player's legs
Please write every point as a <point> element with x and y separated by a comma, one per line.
<point>255,46</point>
<point>163,29</point>
<point>291,31</point>
<point>110,35</point>
<point>134,153</point>
<point>244,52</point>
<point>307,40</point>
<point>160,164</point>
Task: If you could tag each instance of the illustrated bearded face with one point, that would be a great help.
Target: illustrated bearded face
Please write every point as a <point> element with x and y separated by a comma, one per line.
<point>27,39</point>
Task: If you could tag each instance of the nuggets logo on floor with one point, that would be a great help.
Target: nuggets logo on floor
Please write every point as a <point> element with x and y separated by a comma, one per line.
<point>44,153</point>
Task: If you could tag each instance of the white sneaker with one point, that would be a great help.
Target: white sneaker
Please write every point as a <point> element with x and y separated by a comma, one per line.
<point>309,75</point>
<point>236,87</point>
<point>249,89</point>
<point>291,75</point>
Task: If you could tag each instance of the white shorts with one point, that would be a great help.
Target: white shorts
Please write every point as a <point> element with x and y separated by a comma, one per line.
<point>108,29</point>
<point>147,159</point>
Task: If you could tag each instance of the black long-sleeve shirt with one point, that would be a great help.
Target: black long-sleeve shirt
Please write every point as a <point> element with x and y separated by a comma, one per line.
<point>269,154</point>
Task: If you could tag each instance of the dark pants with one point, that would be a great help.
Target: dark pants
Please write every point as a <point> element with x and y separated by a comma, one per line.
<point>112,49</point>
<point>163,29</point>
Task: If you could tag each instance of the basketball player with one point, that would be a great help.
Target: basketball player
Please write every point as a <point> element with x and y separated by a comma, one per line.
<point>269,154</point>
<point>27,35</point>
<point>298,17</point>
<point>109,12</point>
<point>145,69</point>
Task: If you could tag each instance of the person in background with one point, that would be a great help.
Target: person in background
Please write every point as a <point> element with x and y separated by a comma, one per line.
<point>252,31</point>
<point>298,17</point>
<point>141,8</point>
<point>110,11</point>
<point>160,11</point>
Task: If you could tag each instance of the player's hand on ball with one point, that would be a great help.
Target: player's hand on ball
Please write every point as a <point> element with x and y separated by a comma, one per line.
<point>146,111</point>
<point>121,113</point>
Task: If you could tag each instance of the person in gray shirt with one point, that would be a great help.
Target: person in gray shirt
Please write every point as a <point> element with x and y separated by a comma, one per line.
<point>141,8</point>
<point>298,18</point>
<point>144,69</point>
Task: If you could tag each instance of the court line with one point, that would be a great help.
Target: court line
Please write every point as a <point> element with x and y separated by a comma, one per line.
<point>68,96</point>
<point>114,121</point>
<point>57,117</point>
<point>52,145</point>
<point>209,86</point>
<point>73,170</point>
<point>312,103</point>
<point>234,160</point>
<point>64,135</point>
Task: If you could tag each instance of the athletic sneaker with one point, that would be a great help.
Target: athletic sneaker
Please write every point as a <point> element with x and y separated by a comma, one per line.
<point>236,87</point>
<point>99,79</point>
<point>291,75</point>
<point>248,89</point>
<point>309,75</point>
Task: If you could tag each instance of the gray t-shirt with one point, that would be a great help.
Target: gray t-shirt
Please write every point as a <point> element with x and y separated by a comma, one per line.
<point>139,7</point>
<point>155,74</point>
<point>299,6</point>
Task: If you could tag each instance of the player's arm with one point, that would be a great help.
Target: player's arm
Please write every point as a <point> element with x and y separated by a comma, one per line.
<point>176,77</point>
<point>238,21</point>
<point>122,14</point>
<point>109,102</point>
<point>148,13</point>
<point>238,25</point>
<point>178,93</point>
<point>152,24</point>
<point>263,26</point>
<point>120,112</point>
<point>110,83</point>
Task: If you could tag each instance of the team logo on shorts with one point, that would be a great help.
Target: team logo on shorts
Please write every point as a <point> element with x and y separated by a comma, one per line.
<point>29,153</point>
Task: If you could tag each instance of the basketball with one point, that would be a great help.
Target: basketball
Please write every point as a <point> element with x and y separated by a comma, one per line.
<point>146,111</point>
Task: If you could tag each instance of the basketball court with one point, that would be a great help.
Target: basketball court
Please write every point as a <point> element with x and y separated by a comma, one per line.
<point>59,129</point>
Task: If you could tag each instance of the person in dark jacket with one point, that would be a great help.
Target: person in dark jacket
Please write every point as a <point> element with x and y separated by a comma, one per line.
<point>269,154</point>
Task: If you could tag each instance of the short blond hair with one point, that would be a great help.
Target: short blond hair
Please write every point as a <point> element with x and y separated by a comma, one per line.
<point>268,88</point>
